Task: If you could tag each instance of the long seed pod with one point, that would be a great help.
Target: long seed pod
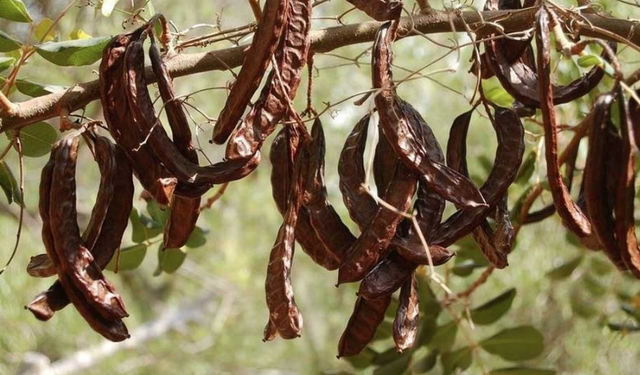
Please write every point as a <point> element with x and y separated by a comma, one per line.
<point>405,324</point>
<point>325,221</point>
<point>380,10</point>
<point>265,40</point>
<point>283,311</point>
<point>281,177</point>
<point>281,86</point>
<point>363,323</point>
<point>152,175</point>
<point>625,223</point>
<point>519,80</point>
<point>77,263</point>
<point>572,216</point>
<point>595,181</point>
<point>450,184</point>
<point>184,211</point>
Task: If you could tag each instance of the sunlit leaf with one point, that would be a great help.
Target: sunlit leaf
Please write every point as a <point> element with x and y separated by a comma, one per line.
<point>588,61</point>
<point>9,184</point>
<point>515,344</point>
<point>37,139</point>
<point>521,371</point>
<point>169,260</point>
<point>493,310</point>
<point>143,228</point>
<point>35,90</point>
<point>129,258</point>
<point>8,43</point>
<point>77,34</point>
<point>73,52</point>
<point>45,31</point>
<point>6,62</point>
<point>198,238</point>
<point>14,10</point>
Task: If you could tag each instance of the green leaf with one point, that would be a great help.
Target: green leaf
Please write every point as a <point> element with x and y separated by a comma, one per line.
<point>429,303</point>
<point>169,260</point>
<point>158,214</point>
<point>459,359</point>
<point>362,360</point>
<point>73,52</point>
<point>396,367</point>
<point>521,371</point>
<point>129,258</point>
<point>35,90</point>
<point>108,6</point>
<point>493,310</point>
<point>515,344</point>
<point>468,249</point>
<point>8,43</point>
<point>198,238</point>
<point>6,62</point>
<point>588,61</point>
<point>425,364</point>
<point>37,139</point>
<point>45,31</point>
<point>500,96</point>
<point>384,331</point>
<point>527,168</point>
<point>77,34</point>
<point>444,337</point>
<point>9,184</point>
<point>14,10</point>
<point>466,267</point>
<point>565,269</point>
<point>143,228</point>
<point>624,327</point>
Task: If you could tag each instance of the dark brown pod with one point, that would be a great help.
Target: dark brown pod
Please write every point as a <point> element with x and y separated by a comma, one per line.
<point>380,10</point>
<point>405,324</point>
<point>365,319</point>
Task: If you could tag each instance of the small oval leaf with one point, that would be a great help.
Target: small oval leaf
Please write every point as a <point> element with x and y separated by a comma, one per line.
<point>45,31</point>
<point>169,260</point>
<point>37,139</point>
<point>6,62</point>
<point>515,344</point>
<point>14,10</point>
<point>565,269</point>
<point>129,258</point>
<point>459,359</point>
<point>8,43</point>
<point>493,310</point>
<point>73,52</point>
<point>9,184</point>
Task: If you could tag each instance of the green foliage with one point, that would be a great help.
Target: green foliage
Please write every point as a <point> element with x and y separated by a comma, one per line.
<point>9,184</point>
<point>73,52</point>
<point>128,259</point>
<point>169,260</point>
<point>37,139</point>
<point>8,43</point>
<point>565,269</point>
<point>515,344</point>
<point>14,10</point>
<point>6,62</point>
<point>493,310</point>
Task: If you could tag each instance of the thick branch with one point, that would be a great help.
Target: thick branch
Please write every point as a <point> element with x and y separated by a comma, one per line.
<point>325,40</point>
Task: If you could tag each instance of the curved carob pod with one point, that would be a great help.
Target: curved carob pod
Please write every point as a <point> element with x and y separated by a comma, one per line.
<point>595,180</point>
<point>114,330</point>
<point>193,179</point>
<point>625,224</point>
<point>634,116</point>
<point>379,10</point>
<point>117,112</point>
<point>519,80</point>
<point>281,86</point>
<point>363,323</point>
<point>326,222</point>
<point>405,324</point>
<point>284,314</point>
<point>110,234</point>
<point>450,184</point>
<point>281,176</point>
<point>184,211</point>
<point>457,159</point>
<point>572,216</point>
<point>265,40</point>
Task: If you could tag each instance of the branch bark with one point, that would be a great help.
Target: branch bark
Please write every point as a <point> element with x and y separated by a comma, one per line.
<point>325,40</point>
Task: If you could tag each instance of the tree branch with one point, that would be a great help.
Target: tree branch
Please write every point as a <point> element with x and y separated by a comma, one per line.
<point>325,40</point>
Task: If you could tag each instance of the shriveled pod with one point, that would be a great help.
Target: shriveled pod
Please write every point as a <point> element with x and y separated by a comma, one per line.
<point>275,16</point>
<point>281,177</point>
<point>572,216</point>
<point>281,85</point>
<point>599,209</point>
<point>405,324</point>
<point>184,211</point>
<point>394,119</point>
<point>363,323</point>
<point>519,80</point>
<point>624,205</point>
<point>117,112</point>
<point>380,10</point>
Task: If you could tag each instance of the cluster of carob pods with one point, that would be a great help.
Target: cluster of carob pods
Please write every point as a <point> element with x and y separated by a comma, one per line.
<point>409,167</point>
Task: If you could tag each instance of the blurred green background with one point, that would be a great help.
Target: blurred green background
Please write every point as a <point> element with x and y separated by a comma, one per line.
<point>208,316</point>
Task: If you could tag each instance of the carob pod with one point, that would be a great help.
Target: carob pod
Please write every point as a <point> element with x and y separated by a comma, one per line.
<point>110,234</point>
<point>184,211</point>
<point>265,40</point>
<point>519,80</point>
<point>281,86</point>
<point>450,184</point>
<point>379,10</point>
<point>281,177</point>
<point>599,209</point>
<point>572,216</point>
<point>363,323</point>
<point>77,263</point>
<point>405,324</point>
<point>117,112</point>
<point>457,159</point>
<point>625,223</point>
<point>193,179</point>
<point>284,314</point>
<point>114,330</point>
<point>326,222</point>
